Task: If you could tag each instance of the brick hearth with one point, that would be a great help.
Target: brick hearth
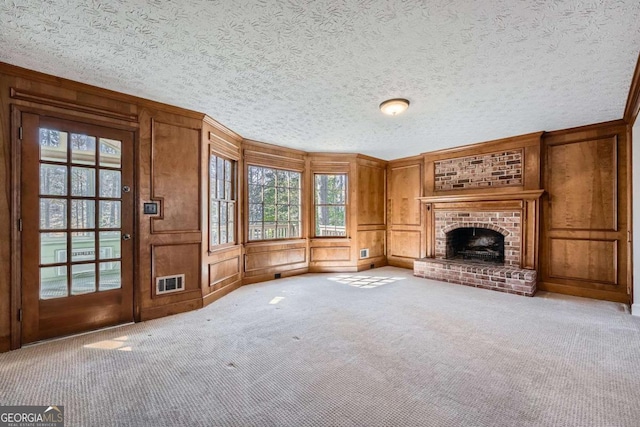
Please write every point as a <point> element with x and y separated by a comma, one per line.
<point>479,275</point>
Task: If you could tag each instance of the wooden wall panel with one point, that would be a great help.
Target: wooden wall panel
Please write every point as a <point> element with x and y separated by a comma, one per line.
<point>404,189</point>
<point>331,254</point>
<point>221,265</point>
<point>407,229</point>
<point>268,259</point>
<point>373,240</point>
<point>171,259</point>
<point>335,253</point>
<point>227,270</point>
<point>584,234</point>
<point>405,244</point>
<point>582,183</point>
<point>598,260</point>
<point>163,138</point>
<point>371,194</point>
<point>175,171</point>
<point>264,259</point>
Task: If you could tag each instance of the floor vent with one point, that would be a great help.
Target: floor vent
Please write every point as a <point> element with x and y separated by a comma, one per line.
<point>167,284</point>
<point>364,253</point>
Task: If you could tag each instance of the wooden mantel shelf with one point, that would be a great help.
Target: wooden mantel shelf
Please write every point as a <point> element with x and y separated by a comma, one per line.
<point>484,197</point>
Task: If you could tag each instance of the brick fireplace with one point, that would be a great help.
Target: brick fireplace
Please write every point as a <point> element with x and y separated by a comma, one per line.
<point>483,240</point>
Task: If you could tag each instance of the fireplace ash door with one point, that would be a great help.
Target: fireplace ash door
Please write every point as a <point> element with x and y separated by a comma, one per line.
<point>475,243</point>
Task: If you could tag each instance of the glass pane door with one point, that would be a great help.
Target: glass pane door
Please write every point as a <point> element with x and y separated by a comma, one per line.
<point>80,213</point>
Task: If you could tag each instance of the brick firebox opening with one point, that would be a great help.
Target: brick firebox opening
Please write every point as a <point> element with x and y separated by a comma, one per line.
<point>475,244</point>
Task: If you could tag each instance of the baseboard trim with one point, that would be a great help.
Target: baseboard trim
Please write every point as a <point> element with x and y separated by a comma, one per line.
<point>334,269</point>
<point>216,295</point>
<point>400,262</point>
<point>248,280</point>
<point>5,344</point>
<point>635,310</point>
<point>584,292</point>
<point>365,264</point>
<point>169,309</point>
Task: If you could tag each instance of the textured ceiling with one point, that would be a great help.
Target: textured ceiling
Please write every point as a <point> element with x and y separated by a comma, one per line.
<point>310,74</point>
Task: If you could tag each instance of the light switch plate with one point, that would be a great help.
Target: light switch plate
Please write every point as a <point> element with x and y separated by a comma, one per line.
<point>151,208</point>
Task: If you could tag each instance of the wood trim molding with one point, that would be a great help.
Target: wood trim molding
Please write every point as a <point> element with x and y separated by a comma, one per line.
<point>485,147</point>
<point>518,195</point>
<point>16,238</point>
<point>273,160</point>
<point>582,129</point>
<point>633,100</point>
<point>50,79</point>
<point>273,156</point>
<point>220,127</point>
<point>229,149</point>
<point>54,101</point>
<point>363,159</point>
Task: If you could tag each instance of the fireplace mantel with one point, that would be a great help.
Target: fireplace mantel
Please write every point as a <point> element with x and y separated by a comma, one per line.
<point>524,204</point>
<point>484,197</point>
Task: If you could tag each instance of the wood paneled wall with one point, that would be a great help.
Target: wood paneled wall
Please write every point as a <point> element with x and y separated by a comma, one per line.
<point>371,211</point>
<point>584,244</point>
<point>264,259</point>
<point>585,171</point>
<point>366,221</point>
<point>406,231</point>
<point>410,236</point>
<point>329,253</point>
<point>169,173</point>
<point>171,152</point>
<point>222,267</point>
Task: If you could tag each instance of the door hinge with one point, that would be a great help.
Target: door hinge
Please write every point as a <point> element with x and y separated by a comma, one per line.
<point>19,315</point>
<point>628,236</point>
<point>20,224</point>
<point>20,133</point>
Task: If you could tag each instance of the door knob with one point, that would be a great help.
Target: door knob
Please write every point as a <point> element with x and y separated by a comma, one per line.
<point>126,237</point>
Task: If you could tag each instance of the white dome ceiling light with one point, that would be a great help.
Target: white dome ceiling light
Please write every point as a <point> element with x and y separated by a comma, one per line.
<point>393,107</point>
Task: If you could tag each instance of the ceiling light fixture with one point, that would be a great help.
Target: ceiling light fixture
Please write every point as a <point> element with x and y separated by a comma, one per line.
<point>393,107</point>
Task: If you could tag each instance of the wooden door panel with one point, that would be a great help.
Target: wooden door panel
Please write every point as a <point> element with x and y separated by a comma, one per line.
<point>77,262</point>
<point>593,261</point>
<point>582,183</point>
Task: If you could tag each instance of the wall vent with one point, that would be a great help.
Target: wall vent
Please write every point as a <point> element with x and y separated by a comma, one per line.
<point>364,253</point>
<point>168,284</point>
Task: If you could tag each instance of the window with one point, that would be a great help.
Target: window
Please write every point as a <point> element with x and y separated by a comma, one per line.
<point>222,197</point>
<point>331,205</point>
<point>274,203</point>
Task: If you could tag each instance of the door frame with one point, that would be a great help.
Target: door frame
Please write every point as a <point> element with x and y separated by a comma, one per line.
<point>16,112</point>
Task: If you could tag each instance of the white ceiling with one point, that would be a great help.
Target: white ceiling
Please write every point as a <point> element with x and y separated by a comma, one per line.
<point>310,74</point>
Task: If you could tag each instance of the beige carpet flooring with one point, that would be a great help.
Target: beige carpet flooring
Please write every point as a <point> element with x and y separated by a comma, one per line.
<point>386,349</point>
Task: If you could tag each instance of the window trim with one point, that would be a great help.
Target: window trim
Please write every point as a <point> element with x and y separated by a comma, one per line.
<point>346,206</point>
<point>234,200</point>
<point>247,234</point>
